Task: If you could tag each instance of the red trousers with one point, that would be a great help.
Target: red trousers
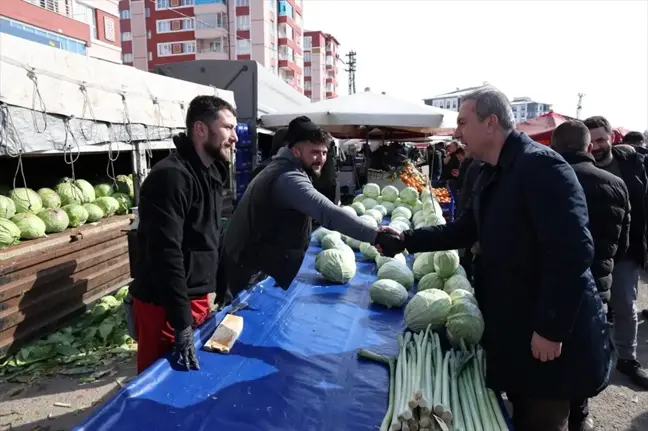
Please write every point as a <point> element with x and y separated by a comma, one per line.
<point>155,337</point>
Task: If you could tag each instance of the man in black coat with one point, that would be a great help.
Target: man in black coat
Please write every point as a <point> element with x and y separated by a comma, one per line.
<point>629,165</point>
<point>468,174</point>
<point>546,338</point>
<point>609,222</point>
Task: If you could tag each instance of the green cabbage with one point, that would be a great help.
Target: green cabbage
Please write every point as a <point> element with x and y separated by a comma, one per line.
<point>358,207</point>
<point>464,322</point>
<point>7,207</point>
<point>388,293</point>
<point>69,192</point>
<point>461,271</point>
<point>381,260</point>
<point>369,203</point>
<point>359,198</point>
<point>446,262</point>
<point>336,265</point>
<point>124,185</point>
<point>389,206</point>
<point>55,219</point>
<point>125,203</point>
<point>371,190</point>
<point>400,218</point>
<point>103,190</point>
<point>31,227</point>
<point>423,265</point>
<point>389,193</point>
<point>429,307</point>
<point>368,251</point>
<point>349,209</point>
<point>332,240</point>
<point>86,189</point>
<point>426,193</point>
<point>417,207</point>
<point>457,282</point>
<point>430,281</point>
<point>108,205</point>
<point>353,243</point>
<point>9,233</point>
<point>460,295</point>
<point>95,213</point>
<point>121,294</point>
<point>399,226</point>
<point>377,215</point>
<point>77,214</point>
<point>409,195</point>
<point>397,271</point>
<point>402,212</point>
<point>49,198</point>
<point>26,200</point>
<point>381,209</point>
<point>370,220</point>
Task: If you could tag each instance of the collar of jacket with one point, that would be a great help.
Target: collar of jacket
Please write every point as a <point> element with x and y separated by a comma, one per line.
<point>217,170</point>
<point>285,154</point>
<point>513,144</point>
<point>577,157</point>
<point>624,153</point>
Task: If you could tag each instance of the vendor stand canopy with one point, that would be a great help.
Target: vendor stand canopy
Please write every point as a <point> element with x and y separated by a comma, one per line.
<point>358,115</point>
<point>541,128</point>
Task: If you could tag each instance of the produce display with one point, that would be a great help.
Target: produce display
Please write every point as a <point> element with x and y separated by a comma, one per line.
<point>442,194</point>
<point>27,214</point>
<point>86,348</point>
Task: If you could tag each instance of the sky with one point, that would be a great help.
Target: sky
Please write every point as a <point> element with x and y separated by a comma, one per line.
<point>548,50</point>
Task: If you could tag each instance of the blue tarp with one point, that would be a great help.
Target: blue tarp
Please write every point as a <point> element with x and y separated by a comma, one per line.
<point>293,368</point>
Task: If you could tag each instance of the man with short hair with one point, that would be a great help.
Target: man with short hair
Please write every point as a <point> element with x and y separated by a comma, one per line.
<point>609,223</point>
<point>178,236</point>
<point>637,140</point>
<point>629,166</point>
<point>545,337</point>
<point>271,226</point>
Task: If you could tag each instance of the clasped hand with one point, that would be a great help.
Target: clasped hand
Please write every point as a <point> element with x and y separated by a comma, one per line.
<point>389,242</point>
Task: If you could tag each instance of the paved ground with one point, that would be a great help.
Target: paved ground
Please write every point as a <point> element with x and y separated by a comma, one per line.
<point>31,407</point>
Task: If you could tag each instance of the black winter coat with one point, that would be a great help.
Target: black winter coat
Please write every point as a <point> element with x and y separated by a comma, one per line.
<point>529,215</point>
<point>609,215</point>
<point>468,174</point>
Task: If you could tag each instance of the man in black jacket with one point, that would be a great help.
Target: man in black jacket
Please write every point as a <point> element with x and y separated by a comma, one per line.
<point>629,166</point>
<point>179,235</point>
<point>608,207</point>
<point>468,174</point>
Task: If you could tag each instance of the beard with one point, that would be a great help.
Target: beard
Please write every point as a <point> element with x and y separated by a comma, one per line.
<point>602,154</point>
<point>214,149</point>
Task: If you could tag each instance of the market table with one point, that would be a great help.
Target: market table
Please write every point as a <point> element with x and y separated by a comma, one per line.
<point>294,366</point>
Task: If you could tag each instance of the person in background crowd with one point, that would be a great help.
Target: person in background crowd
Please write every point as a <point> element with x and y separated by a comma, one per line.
<point>609,223</point>
<point>629,166</point>
<point>271,226</point>
<point>451,164</point>
<point>435,162</point>
<point>278,141</point>
<point>636,140</point>
<point>546,338</point>
<point>179,235</point>
<point>468,174</point>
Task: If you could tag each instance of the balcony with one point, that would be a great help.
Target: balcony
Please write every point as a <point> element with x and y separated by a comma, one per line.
<point>62,7</point>
<point>211,25</point>
<point>212,49</point>
<point>209,6</point>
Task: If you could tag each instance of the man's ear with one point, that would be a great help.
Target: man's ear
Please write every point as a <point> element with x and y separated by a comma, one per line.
<point>295,151</point>
<point>589,147</point>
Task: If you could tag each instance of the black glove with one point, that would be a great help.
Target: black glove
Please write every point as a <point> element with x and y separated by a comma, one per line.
<point>184,352</point>
<point>390,244</point>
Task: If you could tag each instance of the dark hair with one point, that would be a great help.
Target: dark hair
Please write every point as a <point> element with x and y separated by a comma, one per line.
<point>460,150</point>
<point>598,121</point>
<point>278,141</point>
<point>205,109</point>
<point>570,136</point>
<point>634,138</point>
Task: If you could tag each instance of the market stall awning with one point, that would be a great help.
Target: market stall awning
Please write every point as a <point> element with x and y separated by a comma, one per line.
<point>541,128</point>
<point>358,115</point>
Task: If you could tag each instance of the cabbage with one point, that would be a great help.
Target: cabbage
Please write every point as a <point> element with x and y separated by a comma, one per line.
<point>460,295</point>
<point>359,198</point>
<point>388,293</point>
<point>417,207</point>
<point>350,210</point>
<point>26,200</point>
<point>31,227</point>
<point>461,271</point>
<point>446,262</point>
<point>430,281</point>
<point>371,190</point>
<point>430,307</point>
<point>389,206</point>
<point>7,208</point>
<point>457,282</point>
<point>409,195</point>
<point>55,219</point>
<point>86,189</point>
<point>124,185</point>
<point>69,192</point>
<point>426,193</point>
<point>464,322</point>
<point>9,233</point>
<point>381,260</point>
<point>423,264</point>
<point>49,198</point>
<point>103,190</point>
<point>332,241</point>
<point>108,205</point>
<point>397,271</point>
<point>400,218</point>
<point>95,213</point>
<point>348,252</point>
<point>125,203</point>
<point>402,212</point>
<point>335,265</point>
<point>381,209</point>
<point>376,215</point>
<point>368,250</point>
<point>320,233</point>
<point>358,207</point>
<point>353,243</point>
<point>389,193</point>
<point>77,214</point>
<point>369,203</point>
<point>121,294</point>
<point>399,226</point>
<point>370,221</point>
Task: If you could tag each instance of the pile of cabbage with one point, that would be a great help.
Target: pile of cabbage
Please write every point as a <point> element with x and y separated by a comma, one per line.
<point>27,214</point>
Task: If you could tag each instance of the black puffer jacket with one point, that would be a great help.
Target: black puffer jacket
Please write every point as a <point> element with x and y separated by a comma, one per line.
<point>609,216</point>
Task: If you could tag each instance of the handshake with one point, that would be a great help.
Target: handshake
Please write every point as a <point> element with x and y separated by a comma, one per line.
<point>389,241</point>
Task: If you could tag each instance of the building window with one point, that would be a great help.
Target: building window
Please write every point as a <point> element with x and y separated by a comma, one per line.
<point>123,14</point>
<point>166,4</point>
<point>175,25</point>
<point>148,12</point>
<point>272,29</point>
<point>285,9</point>
<point>285,31</point>
<point>243,46</point>
<point>308,42</point>
<point>176,48</point>
<point>286,53</point>
<point>298,20</point>
<point>218,44</point>
<point>127,57</point>
<point>307,71</point>
<point>150,55</point>
<point>307,56</point>
<point>330,60</point>
<point>148,34</point>
<point>126,36</point>
<point>241,3</point>
<point>211,20</point>
<point>307,85</point>
<point>87,15</point>
<point>329,87</point>
<point>243,22</point>
<point>273,6</point>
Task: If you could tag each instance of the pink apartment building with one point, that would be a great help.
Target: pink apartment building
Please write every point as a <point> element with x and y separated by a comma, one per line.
<point>270,32</point>
<point>320,65</point>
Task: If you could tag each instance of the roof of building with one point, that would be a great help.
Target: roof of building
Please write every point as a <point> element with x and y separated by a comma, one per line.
<point>327,36</point>
<point>460,92</point>
<point>525,100</point>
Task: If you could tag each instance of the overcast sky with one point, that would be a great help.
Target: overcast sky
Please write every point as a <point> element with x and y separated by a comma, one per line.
<point>547,50</point>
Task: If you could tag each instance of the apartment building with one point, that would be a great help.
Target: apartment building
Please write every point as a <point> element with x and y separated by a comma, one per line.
<point>85,27</point>
<point>320,65</point>
<point>156,32</point>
